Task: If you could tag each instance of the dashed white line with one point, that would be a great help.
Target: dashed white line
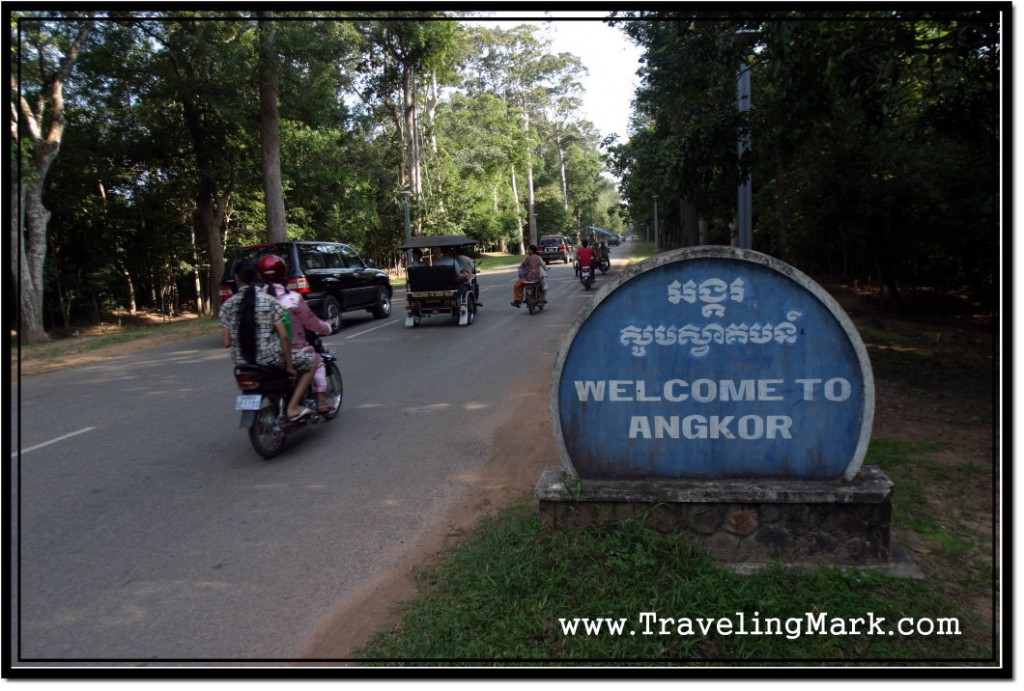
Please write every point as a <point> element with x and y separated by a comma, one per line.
<point>53,441</point>
<point>388,323</point>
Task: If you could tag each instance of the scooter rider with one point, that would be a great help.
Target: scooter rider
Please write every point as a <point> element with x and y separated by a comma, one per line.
<point>603,258</point>
<point>274,273</point>
<point>531,270</point>
<point>252,325</point>
<point>585,256</point>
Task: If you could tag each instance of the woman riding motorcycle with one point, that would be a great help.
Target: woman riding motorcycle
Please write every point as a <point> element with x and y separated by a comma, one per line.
<point>252,325</point>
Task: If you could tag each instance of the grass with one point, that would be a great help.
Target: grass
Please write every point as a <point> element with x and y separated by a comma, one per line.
<point>492,260</point>
<point>927,492</point>
<point>641,251</point>
<point>508,592</point>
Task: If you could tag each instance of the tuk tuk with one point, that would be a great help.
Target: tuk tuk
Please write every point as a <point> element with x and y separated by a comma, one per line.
<point>441,279</point>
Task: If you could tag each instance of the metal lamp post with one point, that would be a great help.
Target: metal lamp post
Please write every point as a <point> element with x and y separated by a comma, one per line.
<point>657,239</point>
<point>744,203</point>
<point>408,226</point>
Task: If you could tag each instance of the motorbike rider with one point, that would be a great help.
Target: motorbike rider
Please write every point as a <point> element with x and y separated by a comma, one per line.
<point>252,325</point>
<point>603,254</point>
<point>274,273</point>
<point>585,256</point>
<point>531,269</point>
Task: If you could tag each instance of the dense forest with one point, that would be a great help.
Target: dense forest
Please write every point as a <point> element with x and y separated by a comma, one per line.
<point>146,145</point>
<point>875,140</point>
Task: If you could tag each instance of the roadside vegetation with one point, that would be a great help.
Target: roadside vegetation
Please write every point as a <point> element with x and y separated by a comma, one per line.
<point>514,590</point>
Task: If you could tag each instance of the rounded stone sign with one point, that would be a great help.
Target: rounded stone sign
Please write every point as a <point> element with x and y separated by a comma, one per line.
<point>712,362</point>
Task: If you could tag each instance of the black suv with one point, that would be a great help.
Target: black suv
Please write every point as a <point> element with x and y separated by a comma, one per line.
<point>555,247</point>
<point>331,275</point>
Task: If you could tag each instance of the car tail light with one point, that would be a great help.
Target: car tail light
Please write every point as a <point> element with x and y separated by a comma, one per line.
<point>225,292</point>
<point>565,248</point>
<point>299,285</point>
<point>247,382</point>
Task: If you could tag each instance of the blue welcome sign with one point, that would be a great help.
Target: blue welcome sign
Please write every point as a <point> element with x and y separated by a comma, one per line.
<point>712,362</point>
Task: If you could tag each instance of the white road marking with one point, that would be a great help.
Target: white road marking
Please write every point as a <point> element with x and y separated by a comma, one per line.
<point>52,441</point>
<point>393,321</point>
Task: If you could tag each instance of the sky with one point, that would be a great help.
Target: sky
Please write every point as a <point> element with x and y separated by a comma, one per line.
<point>611,59</point>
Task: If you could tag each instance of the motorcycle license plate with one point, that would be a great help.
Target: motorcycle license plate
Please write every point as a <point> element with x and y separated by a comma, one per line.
<point>248,402</point>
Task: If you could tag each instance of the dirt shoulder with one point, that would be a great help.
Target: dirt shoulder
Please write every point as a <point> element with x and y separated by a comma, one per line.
<point>116,336</point>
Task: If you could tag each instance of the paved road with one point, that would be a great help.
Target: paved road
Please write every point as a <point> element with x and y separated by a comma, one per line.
<point>148,531</point>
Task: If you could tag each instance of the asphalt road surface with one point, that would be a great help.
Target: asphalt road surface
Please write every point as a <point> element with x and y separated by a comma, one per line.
<point>146,530</point>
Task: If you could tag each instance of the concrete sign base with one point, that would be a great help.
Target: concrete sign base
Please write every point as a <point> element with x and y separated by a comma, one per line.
<point>740,523</point>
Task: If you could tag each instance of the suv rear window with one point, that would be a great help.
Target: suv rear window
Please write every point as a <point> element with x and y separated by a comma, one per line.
<point>552,240</point>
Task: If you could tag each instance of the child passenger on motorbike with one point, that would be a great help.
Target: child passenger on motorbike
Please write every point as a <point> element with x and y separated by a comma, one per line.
<point>274,273</point>
<point>531,270</point>
<point>252,325</point>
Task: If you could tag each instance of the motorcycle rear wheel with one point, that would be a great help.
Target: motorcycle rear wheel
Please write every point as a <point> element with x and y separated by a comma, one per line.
<point>335,390</point>
<point>266,435</point>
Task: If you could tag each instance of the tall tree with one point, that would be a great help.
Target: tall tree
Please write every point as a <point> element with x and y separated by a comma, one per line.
<point>204,64</point>
<point>407,49</point>
<point>270,132</point>
<point>517,66</point>
<point>46,52</point>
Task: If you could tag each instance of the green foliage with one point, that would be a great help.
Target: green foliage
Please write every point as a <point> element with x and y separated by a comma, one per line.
<point>163,133</point>
<point>874,135</point>
<point>504,593</point>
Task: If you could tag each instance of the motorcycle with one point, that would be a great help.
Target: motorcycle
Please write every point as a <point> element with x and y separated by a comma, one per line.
<point>534,296</point>
<point>263,402</point>
<point>604,263</point>
<point>586,277</point>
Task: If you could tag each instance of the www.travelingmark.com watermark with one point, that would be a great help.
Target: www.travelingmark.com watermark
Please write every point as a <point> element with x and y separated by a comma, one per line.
<point>741,624</point>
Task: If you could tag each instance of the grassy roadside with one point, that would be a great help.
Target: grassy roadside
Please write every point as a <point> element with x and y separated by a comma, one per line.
<point>114,335</point>
<point>511,591</point>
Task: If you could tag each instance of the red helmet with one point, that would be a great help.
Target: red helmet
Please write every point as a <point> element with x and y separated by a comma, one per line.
<point>272,269</point>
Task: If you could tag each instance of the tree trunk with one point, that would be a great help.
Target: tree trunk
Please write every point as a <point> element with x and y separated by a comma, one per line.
<point>210,205</point>
<point>519,214</point>
<point>688,218</point>
<point>31,257</point>
<point>561,173</point>
<point>412,141</point>
<point>531,217</point>
<point>129,286</point>
<point>270,134</point>
<point>197,279</point>
<point>30,215</point>
<point>782,211</point>
<point>211,215</point>
<point>433,99</point>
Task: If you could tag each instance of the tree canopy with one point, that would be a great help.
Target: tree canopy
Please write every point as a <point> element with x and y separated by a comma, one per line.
<point>876,142</point>
<point>175,149</point>
<point>875,138</point>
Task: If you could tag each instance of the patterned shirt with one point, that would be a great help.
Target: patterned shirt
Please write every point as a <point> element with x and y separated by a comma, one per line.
<point>534,266</point>
<point>268,313</point>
